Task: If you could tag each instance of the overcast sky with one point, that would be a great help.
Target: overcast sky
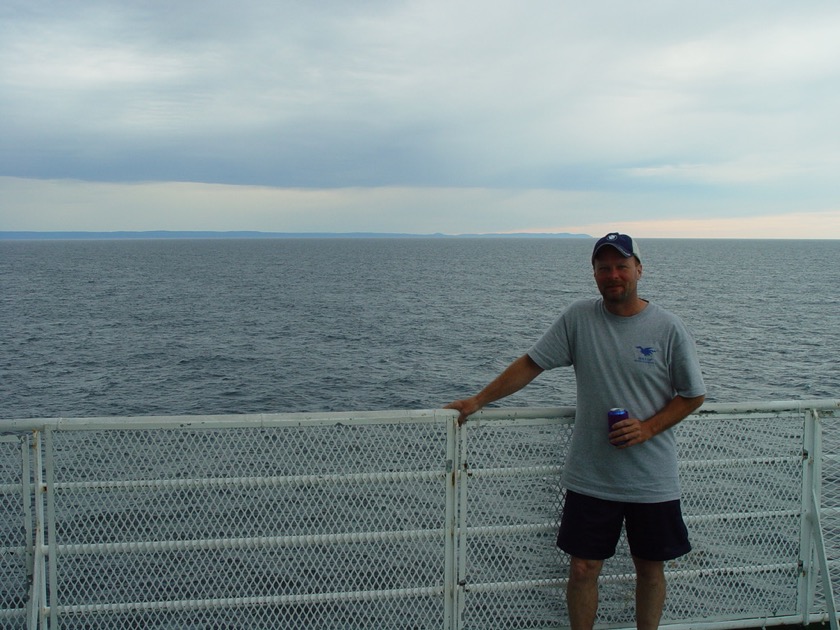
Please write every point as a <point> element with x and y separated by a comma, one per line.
<point>655,117</point>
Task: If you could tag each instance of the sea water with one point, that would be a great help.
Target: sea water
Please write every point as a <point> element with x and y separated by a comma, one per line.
<point>160,327</point>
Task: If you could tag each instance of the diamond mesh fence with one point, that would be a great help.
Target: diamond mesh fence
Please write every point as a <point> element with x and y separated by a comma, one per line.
<point>330,526</point>
<point>15,532</point>
<point>742,496</point>
<point>742,479</point>
<point>395,520</point>
<point>512,570</point>
<point>829,475</point>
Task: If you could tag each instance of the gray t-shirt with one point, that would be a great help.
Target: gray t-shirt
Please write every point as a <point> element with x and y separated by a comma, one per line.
<point>638,363</point>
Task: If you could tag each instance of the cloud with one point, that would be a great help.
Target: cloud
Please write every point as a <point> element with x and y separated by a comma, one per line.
<point>654,106</point>
<point>764,168</point>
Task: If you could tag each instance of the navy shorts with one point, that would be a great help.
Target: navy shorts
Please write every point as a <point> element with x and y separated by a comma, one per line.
<point>590,528</point>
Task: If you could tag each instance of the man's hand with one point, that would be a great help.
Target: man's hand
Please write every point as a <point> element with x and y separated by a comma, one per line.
<point>465,408</point>
<point>515,376</point>
<point>633,431</point>
<point>629,432</point>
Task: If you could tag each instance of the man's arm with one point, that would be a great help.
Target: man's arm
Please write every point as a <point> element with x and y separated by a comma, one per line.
<point>633,431</point>
<point>516,376</point>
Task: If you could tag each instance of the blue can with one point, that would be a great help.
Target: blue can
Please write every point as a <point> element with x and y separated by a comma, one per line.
<point>616,414</point>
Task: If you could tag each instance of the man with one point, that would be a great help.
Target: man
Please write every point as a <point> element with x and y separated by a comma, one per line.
<point>630,353</point>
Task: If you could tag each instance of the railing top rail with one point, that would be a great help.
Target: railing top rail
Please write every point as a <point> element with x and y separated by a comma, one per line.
<point>226,420</point>
<point>828,404</point>
<point>371,417</point>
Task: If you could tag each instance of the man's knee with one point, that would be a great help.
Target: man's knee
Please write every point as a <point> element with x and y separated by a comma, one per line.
<point>649,570</point>
<point>582,570</point>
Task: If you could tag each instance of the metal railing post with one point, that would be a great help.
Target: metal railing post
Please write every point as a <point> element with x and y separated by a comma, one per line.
<point>51,595</point>
<point>462,477</point>
<point>37,590</point>
<point>807,573</point>
<point>450,586</point>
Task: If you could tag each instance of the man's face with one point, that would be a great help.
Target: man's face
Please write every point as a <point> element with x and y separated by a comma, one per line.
<point>616,276</point>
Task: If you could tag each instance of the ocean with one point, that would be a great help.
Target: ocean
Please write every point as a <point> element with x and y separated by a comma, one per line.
<point>219,326</point>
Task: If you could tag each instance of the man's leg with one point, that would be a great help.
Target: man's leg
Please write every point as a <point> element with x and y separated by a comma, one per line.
<point>582,592</point>
<point>650,592</point>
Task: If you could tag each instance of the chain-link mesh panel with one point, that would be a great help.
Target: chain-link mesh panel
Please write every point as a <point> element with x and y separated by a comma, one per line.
<point>830,503</point>
<point>337,526</point>
<point>742,501</point>
<point>15,530</point>
<point>742,493</point>
<point>514,573</point>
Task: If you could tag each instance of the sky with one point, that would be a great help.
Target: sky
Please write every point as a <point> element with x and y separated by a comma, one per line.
<point>660,118</point>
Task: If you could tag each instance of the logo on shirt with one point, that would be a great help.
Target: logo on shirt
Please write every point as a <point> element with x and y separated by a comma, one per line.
<point>645,354</point>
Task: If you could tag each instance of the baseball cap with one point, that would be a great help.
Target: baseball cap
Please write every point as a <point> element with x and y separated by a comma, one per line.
<point>625,245</point>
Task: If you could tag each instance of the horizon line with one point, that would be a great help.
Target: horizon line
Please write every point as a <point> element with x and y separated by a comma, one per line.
<point>20,235</point>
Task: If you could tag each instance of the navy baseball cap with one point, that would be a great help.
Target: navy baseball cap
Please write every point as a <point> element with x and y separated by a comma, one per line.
<point>625,245</point>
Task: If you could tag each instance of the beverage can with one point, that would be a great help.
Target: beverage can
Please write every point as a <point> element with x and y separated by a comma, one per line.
<point>616,414</point>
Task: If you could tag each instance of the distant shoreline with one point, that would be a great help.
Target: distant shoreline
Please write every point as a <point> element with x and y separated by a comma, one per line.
<point>167,234</point>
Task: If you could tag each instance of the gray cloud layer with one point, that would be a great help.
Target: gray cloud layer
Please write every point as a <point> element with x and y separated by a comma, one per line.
<point>692,99</point>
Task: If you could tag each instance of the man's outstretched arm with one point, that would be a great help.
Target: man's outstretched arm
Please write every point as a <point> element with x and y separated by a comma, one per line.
<point>516,376</point>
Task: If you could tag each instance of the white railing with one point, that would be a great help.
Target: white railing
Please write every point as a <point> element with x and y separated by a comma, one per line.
<point>396,520</point>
